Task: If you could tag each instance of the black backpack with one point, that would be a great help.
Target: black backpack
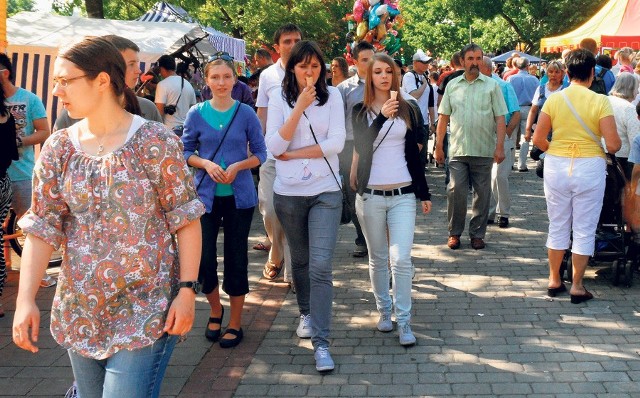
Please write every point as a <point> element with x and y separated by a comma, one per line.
<point>598,85</point>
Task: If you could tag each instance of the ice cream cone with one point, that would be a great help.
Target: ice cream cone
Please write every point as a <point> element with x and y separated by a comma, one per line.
<point>309,81</point>
<point>394,95</point>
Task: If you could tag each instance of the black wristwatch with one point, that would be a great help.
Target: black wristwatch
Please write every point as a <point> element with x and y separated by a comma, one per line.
<point>194,285</point>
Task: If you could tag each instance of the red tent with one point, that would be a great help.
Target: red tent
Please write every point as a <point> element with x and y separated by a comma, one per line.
<point>616,25</point>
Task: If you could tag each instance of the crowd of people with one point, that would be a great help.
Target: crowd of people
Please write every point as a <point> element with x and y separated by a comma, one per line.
<point>136,194</point>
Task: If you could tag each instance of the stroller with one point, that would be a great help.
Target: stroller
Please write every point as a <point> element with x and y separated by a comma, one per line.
<point>614,239</point>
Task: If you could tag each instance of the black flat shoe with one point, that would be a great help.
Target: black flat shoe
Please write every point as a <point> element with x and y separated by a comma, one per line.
<point>580,298</point>
<point>214,335</point>
<point>228,343</point>
<point>554,291</point>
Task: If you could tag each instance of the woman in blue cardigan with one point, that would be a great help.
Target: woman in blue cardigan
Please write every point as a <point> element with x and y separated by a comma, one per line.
<point>220,130</point>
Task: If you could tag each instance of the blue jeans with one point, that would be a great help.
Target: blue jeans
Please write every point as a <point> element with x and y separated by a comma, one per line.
<point>131,374</point>
<point>311,224</point>
<point>395,215</point>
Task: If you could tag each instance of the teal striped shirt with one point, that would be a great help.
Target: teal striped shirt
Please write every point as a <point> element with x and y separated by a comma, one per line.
<point>473,108</point>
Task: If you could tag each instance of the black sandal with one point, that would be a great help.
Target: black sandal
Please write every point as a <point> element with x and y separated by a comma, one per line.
<point>214,335</point>
<point>271,271</point>
<point>228,343</point>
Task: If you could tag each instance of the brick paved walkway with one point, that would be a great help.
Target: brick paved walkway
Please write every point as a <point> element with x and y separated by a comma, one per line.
<point>484,326</point>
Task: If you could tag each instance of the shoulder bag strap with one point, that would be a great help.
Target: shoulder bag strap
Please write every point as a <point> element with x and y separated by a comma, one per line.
<point>579,119</point>
<point>221,141</point>
<point>383,137</point>
<point>324,157</point>
<point>181,88</point>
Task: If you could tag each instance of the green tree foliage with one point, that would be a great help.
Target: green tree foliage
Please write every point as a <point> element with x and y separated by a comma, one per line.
<point>495,25</point>
<point>15,6</point>
<point>431,26</point>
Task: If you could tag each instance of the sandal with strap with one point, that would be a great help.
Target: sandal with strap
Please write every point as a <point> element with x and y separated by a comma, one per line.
<point>261,246</point>
<point>271,271</point>
<point>214,335</point>
<point>228,343</point>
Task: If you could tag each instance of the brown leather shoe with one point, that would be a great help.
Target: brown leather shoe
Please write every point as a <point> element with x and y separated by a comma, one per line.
<point>477,243</point>
<point>453,242</point>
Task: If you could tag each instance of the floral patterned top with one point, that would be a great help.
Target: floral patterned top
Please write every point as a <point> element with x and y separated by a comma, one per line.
<point>114,216</point>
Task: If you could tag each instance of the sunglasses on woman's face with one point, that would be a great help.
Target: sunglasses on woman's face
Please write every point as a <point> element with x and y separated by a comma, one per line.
<point>221,55</point>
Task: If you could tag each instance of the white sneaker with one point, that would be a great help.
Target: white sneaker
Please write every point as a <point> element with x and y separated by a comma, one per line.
<point>304,327</point>
<point>384,323</point>
<point>406,336</point>
<point>324,362</point>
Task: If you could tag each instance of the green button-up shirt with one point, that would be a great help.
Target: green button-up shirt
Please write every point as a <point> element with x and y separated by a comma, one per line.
<point>473,108</point>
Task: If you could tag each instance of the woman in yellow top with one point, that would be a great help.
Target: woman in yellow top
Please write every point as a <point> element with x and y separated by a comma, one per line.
<point>575,169</point>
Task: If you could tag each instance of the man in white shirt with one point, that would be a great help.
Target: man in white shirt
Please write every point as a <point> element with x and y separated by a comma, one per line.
<point>416,83</point>
<point>271,84</point>
<point>352,91</point>
<point>174,95</point>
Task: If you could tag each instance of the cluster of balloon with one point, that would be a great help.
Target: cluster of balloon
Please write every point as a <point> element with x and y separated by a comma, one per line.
<point>376,21</point>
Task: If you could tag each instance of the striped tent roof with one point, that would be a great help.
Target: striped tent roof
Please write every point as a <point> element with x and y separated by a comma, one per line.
<point>165,12</point>
<point>616,25</point>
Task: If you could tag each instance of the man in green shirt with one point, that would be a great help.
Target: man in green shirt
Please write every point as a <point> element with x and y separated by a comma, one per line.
<point>474,106</point>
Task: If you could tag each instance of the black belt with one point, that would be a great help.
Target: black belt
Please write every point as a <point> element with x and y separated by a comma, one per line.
<point>391,192</point>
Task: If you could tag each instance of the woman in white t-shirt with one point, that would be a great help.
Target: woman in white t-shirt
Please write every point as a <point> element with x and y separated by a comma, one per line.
<point>388,176</point>
<point>305,133</point>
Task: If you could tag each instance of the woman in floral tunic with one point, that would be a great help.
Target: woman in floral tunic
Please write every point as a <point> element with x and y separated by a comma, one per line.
<point>111,190</point>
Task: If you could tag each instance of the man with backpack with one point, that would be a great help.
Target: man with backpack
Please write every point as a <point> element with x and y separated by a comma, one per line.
<point>416,84</point>
<point>603,79</point>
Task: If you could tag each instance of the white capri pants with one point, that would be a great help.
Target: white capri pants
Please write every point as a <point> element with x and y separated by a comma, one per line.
<point>574,194</point>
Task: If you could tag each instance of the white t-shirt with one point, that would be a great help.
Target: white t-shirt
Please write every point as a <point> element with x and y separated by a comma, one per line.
<point>168,92</point>
<point>547,93</point>
<point>389,165</point>
<point>270,78</point>
<point>270,83</point>
<point>409,85</point>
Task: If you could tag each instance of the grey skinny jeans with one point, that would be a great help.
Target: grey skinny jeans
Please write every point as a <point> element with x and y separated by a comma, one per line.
<point>311,224</point>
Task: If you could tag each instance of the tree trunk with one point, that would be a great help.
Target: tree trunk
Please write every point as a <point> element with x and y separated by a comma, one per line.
<point>94,8</point>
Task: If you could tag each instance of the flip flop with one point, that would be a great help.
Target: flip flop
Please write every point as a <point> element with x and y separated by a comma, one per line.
<point>272,271</point>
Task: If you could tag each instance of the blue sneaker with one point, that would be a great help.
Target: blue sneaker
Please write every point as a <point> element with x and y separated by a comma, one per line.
<point>324,362</point>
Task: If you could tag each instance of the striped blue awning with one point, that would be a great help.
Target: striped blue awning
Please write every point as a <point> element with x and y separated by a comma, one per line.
<point>165,12</point>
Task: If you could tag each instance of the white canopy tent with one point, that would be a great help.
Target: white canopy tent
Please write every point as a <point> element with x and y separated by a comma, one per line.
<point>35,37</point>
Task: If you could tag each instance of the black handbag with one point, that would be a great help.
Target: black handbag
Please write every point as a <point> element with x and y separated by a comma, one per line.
<point>345,217</point>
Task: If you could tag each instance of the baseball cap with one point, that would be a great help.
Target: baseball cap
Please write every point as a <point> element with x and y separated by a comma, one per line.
<point>421,56</point>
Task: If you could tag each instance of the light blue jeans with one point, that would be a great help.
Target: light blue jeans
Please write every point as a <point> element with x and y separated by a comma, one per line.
<point>311,226</point>
<point>131,374</point>
<point>395,216</point>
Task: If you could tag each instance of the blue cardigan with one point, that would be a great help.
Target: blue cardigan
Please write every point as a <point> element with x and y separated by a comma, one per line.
<point>200,136</point>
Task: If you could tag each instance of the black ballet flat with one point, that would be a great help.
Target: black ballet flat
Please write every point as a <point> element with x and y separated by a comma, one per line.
<point>214,335</point>
<point>228,343</point>
<point>580,298</point>
<point>554,291</point>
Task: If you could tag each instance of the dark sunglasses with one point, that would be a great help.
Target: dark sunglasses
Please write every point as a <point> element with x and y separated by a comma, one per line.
<point>223,55</point>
